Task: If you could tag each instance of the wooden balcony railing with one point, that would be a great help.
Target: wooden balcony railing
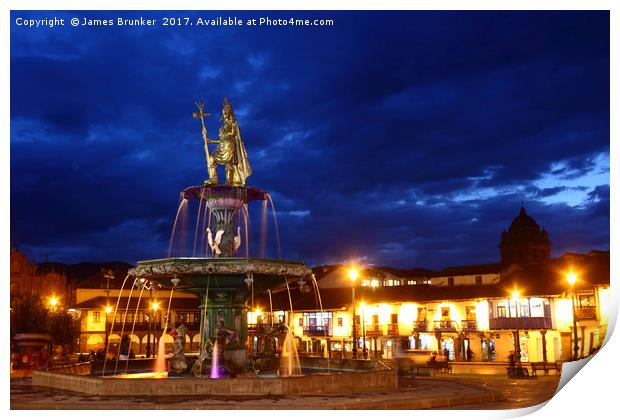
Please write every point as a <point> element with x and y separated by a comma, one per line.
<point>256,329</point>
<point>374,330</point>
<point>371,330</point>
<point>420,326</point>
<point>317,331</point>
<point>392,330</point>
<point>469,325</point>
<point>445,325</point>
<point>536,323</point>
<point>585,312</point>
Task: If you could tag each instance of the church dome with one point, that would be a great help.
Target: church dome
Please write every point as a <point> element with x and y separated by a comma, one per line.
<point>524,222</point>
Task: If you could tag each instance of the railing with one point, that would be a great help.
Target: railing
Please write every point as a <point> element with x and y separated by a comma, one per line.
<point>420,326</point>
<point>469,325</point>
<point>392,329</point>
<point>256,328</point>
<point>585,312</point>
<point>374,330</point>
<point>445,325</point>
<point>371,330</point>
<point>521,323</point>
<point>317,330</point>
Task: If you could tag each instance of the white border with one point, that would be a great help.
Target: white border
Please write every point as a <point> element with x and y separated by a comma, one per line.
<point>593,391</point>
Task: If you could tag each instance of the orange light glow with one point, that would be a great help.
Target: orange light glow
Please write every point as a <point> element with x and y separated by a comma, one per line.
<point>353,274</point>
<point>571,278</point>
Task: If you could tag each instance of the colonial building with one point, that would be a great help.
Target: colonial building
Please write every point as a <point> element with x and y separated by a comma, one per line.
<point>28,277</point>
<point>108,301</point>
<point>481,308</point>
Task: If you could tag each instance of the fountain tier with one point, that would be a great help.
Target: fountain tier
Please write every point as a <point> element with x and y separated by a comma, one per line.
<point>225,287</point>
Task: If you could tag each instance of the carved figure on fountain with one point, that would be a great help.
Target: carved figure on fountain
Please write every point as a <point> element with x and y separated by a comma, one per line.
<point>178,363</point>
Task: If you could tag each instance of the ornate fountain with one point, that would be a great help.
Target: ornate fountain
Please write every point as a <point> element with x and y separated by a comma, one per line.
<point>224,281</point>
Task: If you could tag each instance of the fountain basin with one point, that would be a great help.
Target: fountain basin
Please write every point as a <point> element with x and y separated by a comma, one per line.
<point>361,381</point>
<point>194,271</point>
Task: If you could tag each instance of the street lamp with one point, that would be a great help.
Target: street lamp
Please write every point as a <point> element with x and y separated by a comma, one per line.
<point>515,296</point>
<point>353,274</point>
<point>53,301</point>
<point>108,310</point>
<point>571,278</point>
<point>155,308</point>
<point>108,275</point>
<point>150,315</point>
<point>363,318</point>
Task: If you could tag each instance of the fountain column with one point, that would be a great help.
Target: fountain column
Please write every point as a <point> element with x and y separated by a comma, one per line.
<point>225,210</point>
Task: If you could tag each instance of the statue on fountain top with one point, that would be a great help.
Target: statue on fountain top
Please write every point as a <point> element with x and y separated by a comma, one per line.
<point>230,151</point>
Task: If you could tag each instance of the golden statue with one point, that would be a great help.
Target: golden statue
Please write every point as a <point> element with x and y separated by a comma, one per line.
<point>230,151</point>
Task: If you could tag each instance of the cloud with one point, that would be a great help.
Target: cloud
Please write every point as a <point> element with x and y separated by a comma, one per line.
<point>406,138</point>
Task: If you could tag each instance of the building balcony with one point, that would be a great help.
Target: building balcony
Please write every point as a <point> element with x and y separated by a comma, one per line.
<point>585,312</point>
<point>469,325</point>
<point>374,330</point>
<point>256,329</point>
<point>371,330</point>
<point>392,330</point>
<point>317,331</point>
<point>537,323</point>
<point>420,326</point>
<point>445,326</point>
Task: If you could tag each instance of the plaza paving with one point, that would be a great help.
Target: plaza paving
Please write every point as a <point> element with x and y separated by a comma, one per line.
<point>441,392</point>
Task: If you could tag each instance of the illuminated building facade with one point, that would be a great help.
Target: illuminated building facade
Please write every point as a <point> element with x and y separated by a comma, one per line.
<point>467,311</point>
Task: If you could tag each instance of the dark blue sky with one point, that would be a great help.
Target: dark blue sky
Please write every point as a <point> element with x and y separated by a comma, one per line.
<point>399,138</point>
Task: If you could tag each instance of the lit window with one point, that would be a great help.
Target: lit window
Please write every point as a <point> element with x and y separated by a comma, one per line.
<point>586,300</point>
<point>96,317</point>
<point>445,312</point>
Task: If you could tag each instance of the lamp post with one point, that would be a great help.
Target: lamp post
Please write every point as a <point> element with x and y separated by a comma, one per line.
<point>363,320</point>
<point>571,278</point>
<point>148,334</point>
<point>154,307</point>
<point>353,274</point>
<point>108,275</point>
<point>515,296</point>
<point>108,309</point>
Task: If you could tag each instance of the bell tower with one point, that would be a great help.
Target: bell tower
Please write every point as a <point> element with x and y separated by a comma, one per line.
<point>524,242</point>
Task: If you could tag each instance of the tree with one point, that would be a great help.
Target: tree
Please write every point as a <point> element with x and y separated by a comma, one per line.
<point>29,314</point>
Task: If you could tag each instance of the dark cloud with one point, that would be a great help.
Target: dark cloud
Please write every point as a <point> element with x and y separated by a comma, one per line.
<point>406,138</point>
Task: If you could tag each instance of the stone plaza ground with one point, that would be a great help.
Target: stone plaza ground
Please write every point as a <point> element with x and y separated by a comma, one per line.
<point>444,391</point>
